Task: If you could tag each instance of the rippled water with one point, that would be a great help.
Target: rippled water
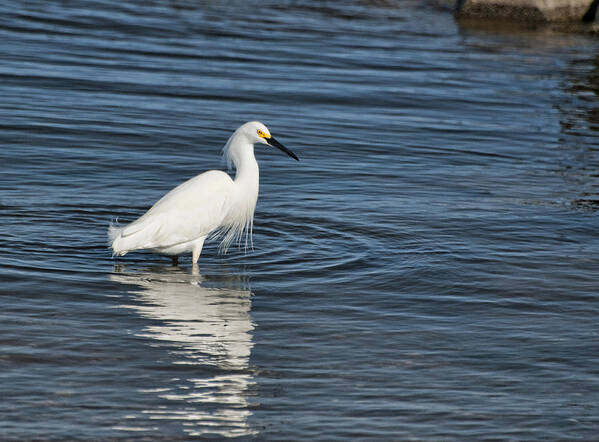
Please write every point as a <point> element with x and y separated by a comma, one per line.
<point>428,271</point>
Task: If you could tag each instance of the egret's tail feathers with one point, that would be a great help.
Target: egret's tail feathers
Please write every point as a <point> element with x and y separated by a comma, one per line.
<point>113,231</point>
<point>115,239</point>
<point>140,234</point>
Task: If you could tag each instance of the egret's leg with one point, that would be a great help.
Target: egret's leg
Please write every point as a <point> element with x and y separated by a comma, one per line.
<point>175,259</point>
<point>197,249</point>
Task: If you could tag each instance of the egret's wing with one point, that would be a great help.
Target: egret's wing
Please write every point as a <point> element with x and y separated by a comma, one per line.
<point>189,211</point>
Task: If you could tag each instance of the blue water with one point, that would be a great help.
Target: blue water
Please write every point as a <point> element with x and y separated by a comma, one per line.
<point>427,271</point>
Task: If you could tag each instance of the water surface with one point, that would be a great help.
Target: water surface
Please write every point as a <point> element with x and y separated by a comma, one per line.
<point>428,271</point>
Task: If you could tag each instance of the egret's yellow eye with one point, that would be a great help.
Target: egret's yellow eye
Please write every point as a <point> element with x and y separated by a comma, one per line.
<point>262,134</point>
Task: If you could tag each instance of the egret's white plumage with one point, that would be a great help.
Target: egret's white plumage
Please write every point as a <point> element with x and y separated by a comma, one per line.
<point>210,204</point>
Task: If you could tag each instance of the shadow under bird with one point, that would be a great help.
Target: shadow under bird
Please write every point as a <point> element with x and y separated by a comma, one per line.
<point>210,204</point>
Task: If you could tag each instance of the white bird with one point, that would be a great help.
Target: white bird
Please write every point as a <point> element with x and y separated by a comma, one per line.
<point>209,204</point>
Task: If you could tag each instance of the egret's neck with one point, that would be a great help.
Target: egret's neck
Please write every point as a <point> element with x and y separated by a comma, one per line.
<point>240,216</point>
<point>245,164</point>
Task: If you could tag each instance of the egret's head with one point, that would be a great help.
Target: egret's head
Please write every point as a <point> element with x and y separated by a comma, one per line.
<point>259,133</point>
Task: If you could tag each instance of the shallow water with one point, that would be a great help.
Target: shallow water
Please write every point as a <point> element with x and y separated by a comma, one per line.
<point>428,271</point>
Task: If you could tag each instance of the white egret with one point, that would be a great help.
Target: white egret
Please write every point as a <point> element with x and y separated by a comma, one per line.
<point>210,204</point>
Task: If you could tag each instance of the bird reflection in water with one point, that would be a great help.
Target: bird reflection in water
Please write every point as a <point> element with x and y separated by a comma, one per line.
<point>211,328</point>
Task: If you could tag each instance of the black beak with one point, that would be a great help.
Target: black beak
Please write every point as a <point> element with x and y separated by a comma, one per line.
<point>272,142</point>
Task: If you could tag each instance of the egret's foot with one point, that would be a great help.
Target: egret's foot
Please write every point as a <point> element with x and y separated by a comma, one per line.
<point>175,260</point>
